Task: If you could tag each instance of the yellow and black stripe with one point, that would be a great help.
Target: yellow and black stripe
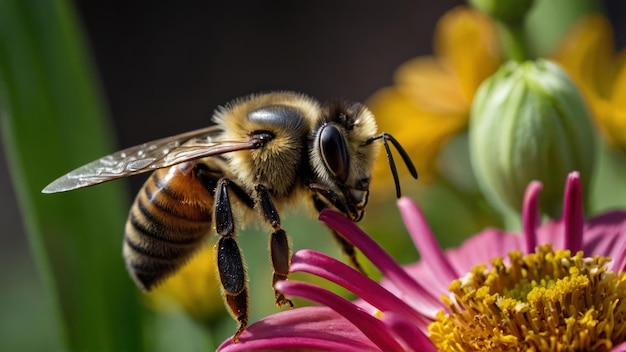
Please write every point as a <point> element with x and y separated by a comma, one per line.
<point>168,222</point>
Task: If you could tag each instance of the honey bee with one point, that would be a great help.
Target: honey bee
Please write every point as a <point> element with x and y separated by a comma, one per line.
<point>264,153</point>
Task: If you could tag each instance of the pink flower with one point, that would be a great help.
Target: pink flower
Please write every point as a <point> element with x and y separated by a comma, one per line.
<point>498,305</point>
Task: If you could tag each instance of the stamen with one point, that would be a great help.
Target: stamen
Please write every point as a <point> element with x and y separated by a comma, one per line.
<point>544,301</point>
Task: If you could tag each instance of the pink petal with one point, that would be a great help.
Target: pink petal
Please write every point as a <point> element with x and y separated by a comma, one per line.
<point>478,249</point>
<point>482,247</point>
<point>413,338</point>
<point>606,235</point>
<point>372,327</point>
<point>319,264</point>
<point>381,259</point>
<point>425,241</point>
<point>530,215</point>
<point>573,213</point>
<point>619,348</point>
<point>553,233</point>
<point>420,272</point>
<point>307,328</point>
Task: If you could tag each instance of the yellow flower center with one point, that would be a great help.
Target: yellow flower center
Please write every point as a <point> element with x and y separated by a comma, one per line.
<point>544,301</point>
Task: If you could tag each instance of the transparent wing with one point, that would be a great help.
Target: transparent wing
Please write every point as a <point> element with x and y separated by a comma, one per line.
<point>150,156</point>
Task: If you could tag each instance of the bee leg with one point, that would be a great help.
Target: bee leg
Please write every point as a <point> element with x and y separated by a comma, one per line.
<point>346,247</point>
<point>332,197</point>
<point>229,260</point>
<point>280,251</point>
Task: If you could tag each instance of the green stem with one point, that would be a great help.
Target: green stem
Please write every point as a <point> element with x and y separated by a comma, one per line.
<point>514,41</point>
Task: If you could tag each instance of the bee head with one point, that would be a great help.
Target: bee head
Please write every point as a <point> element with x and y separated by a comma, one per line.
<point>341,158</point>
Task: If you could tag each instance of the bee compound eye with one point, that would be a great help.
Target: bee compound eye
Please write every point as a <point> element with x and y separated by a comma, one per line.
<point>334,152</point>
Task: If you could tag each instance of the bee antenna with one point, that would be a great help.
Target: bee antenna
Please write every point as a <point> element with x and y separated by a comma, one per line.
<point>405,157</point>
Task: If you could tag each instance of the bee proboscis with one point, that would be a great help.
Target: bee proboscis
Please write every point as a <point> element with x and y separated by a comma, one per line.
<point>264,153</point>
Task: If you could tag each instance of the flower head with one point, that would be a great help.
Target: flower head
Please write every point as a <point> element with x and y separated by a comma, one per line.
<point>553,286</point>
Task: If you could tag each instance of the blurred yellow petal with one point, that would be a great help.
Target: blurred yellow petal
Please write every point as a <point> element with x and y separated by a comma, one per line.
<point>421,132</point>
<point>587,53</point>
<point>467,42</point>
<point>619,89</point>
<point>431,99</point>
<point>194,288</point>
<point>431,85</point>
<point>614,119</point>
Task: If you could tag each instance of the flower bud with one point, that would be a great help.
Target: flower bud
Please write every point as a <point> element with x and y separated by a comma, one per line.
<point>528,122</point>
<point>507,11</point>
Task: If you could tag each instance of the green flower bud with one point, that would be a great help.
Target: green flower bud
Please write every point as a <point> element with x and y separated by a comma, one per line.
<point>528,122</point>
<point>507,11</point>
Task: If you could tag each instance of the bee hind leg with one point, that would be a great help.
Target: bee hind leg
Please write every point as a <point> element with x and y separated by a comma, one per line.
<point>280,251</point>
<point>229,259</point>
<point>348,249</point>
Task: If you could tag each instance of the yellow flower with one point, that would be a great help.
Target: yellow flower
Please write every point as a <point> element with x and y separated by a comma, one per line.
<point>194,288</point>
<point>588,54</point>
<point>431,98</point>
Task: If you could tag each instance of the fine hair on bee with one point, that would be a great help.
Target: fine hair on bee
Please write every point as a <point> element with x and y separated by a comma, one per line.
<point>264,153</point>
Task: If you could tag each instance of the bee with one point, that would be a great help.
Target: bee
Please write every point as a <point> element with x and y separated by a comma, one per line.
<point>264,153</point>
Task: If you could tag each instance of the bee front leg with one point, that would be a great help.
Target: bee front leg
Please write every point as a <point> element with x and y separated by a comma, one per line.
<point>280,250</point>
<point>229,259</point>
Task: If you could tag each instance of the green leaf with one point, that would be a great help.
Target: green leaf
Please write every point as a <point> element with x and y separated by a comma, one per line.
<point>52,121</point>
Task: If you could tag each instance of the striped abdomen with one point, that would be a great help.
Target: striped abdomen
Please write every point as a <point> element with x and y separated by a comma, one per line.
<point>167,224</point>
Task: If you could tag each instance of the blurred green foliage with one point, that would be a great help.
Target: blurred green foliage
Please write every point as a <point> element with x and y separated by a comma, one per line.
<point>52,121</point>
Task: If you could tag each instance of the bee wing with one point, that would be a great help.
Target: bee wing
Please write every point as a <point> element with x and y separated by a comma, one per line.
<point>150,156</point>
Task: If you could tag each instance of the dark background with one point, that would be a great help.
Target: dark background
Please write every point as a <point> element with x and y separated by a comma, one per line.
<point>164,66</point>
<point>164,69</point>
